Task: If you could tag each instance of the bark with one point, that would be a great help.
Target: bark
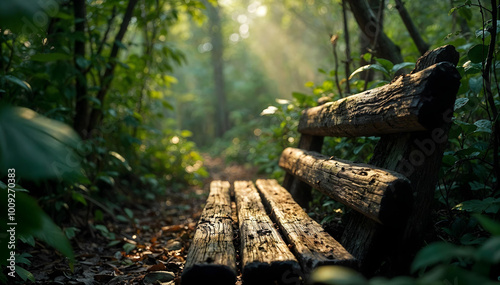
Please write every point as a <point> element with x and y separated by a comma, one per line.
<point>81,119</point>
<point>311,244</point>
<point>422,46</point>
<point>371,28</point>
<point>417,156</point>
<point>410,103</point>
<point>265,257</point>
<point>212,257</point>
<point>107,78</point>
<point>221,115</point>
<point>381,195</point>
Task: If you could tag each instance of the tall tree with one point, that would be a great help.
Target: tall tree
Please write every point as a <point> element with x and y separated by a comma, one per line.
<point>215,30</point>
<point>81,118</point>
<point>107,77</point>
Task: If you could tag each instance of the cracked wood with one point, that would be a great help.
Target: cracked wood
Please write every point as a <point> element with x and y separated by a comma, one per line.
<point>410,103</point>
<point>311,244</point>
<point>382,195</point>
<point>211,256</point>
<point>265,257</point>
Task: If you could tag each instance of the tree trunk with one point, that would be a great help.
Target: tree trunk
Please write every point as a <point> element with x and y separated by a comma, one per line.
<point>369,25</point>
<point>422,46</point>
<point>81,118</point>
<point>221,116</point>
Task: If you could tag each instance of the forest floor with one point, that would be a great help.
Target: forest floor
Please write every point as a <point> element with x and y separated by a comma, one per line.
<point>152,250</point>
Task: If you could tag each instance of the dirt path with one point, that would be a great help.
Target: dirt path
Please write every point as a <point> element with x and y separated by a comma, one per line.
<point>151,246</point>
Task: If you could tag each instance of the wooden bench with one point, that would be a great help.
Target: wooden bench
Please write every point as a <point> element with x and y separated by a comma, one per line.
<point>390,196</point>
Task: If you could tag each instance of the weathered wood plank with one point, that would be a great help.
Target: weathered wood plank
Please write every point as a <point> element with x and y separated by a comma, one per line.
<point>410,103</point>
<point>212,258</point>
<point>311,244</point>
<point>382,195</point>
<point>265,257</point>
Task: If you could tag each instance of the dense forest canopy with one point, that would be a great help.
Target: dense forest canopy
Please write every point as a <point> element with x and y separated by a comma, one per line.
<point>103,103</point>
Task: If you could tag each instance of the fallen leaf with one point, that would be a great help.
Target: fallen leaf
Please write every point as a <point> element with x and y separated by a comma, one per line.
<point>157,267</point>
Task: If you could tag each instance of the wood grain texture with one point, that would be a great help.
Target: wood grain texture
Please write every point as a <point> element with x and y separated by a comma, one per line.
<point>265,257</point>
<point>212,257</point>
<point>410,103</point>
<point>311,244</point>
<point>382,195</point>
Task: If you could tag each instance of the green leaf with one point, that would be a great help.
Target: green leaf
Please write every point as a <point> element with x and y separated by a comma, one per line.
<point>337,275</point>
<point>385,63</point>
<point>78,197</point>
<point>488,224</point>
<point>488,205</point>
<point>121,159</point>
<point>33,222</point>
<point>16,15</point>
<point>476,84</point>
<point>47,57</point>
<point>483,126</point>
<point>460,102</point>
<point>98,216</point>
<point>490,250</point>
<point>37,147</point>
<point>71,232</point>
<point>446,274</point>
<point>186,134</point>
<point>129,212</point>
<point>18,81</point>
<point>82,62</point>
<point>376,66</point>
<point>465,13</point>
<point>107,179</point>
<point>439,252</point>
<point>478,53</point>
<point>25,274</point>
<point>402,65</point>
<point>128,247</point>
<point>120,45</point>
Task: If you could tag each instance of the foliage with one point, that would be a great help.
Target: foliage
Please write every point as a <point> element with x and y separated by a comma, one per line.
<point>34,147</point>
<point>131,151</point>
<point>469,176</point>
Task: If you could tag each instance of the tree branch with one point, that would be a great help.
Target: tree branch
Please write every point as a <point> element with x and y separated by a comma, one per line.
<point>96,114</point>
<point>422,46</point>
<point>368,23</point>
<point>80,121</point>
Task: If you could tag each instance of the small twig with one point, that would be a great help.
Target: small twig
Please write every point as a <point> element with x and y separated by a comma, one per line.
<point>378,29</point>
<point>347,48</point>
<point>333,40</point>
<point>487,88</point>
<point>106,33</point>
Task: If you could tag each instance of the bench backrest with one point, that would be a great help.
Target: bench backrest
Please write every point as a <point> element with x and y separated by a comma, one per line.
<point>391,195</point>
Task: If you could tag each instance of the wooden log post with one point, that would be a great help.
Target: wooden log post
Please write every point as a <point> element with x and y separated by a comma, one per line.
<point>265,257</point>
<point>381,195</point>
<point>212,258</point>
<point>410,103</point>
<point>311,244</point>
<point>417,156</point>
